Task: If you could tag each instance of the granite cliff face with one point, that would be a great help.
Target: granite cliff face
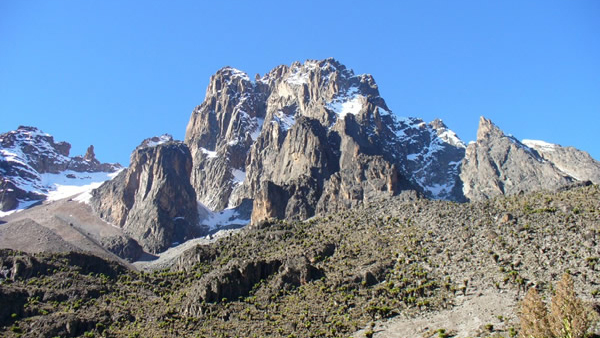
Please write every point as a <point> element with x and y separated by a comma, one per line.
<point>571,161</point>
<point>497,164</point>
<point>30,162</point>
<point>152,200</point>
<point>310,138</point>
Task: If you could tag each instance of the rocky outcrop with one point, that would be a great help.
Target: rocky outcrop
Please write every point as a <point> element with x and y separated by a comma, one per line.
<point>152,200</point>
<point>238,278</point>
<point>311,138</point>
<point>571,161</point>
<point>497,164</point>
<point>367,179</point>
<point>123,246</point>
<point>26,154</point>
<point>220,133</point>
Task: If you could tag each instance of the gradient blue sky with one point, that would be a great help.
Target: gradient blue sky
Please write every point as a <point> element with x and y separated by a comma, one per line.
<point>111,73</point>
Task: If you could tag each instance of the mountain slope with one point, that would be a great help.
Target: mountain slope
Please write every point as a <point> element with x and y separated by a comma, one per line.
<point>497,164</point>
<point>403,258</point>
<point>571,161</point>
<point>33,167</point>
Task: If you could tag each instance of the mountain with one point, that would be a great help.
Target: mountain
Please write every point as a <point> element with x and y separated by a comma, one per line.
<point>497,164</point>
<point>33,167</point>
<point>312,138</point>
<point>307,139</point>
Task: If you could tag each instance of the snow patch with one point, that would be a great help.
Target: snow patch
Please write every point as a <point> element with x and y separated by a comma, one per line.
<point>383,112</point>
<point>256,131</point>
<point>300,74</point>
<point>541,145</point>
<point>209,153</point>
<point>285,121</point>
<point>298,78</point>
<point>238,176</point>
<point>23,204</point>
<point>14,156</point>
<point>451,138</point>
<point>238,73</point>
<point>85,193</point>
<point>159,140</point>
<point>350,102</point>
<point>69,183</point>
<point>438,190</point>
<point>215,220</point>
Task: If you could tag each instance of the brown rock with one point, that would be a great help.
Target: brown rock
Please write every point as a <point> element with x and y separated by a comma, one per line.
<point>152,200</point>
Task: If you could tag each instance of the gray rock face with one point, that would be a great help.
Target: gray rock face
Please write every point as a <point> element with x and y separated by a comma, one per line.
<point>310,138</point>
<point>497,164</point>
<point>220,133</point>
<point>26,154</point>
<point>571,161</point>
<point>152,200</point>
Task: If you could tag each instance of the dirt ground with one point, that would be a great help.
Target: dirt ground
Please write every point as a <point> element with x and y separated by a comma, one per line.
<point>470,317</point>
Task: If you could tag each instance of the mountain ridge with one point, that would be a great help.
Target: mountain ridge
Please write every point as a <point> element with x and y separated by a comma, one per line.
<point>309,139</point>
<point>32,165</point>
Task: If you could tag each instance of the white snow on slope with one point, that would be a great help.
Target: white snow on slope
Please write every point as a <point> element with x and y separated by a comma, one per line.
<point>209,153</point>
<point>541,145</point>
<point>350,102</point>
<point>298,78</point>
<point>218,219</point>
<point>12,155</point>
<point>256,131</point>
<point>238,73</point>
<point>285,121</point>
<point>22,206</point>
<point>60,186</point>
<point>301,73</point>
<point>238,176</point>
<point>161,139</point>
<point>451,138</point>
<point>65,184</point>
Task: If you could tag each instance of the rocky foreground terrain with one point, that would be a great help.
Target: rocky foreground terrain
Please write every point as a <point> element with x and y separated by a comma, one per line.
<point>401,267</point>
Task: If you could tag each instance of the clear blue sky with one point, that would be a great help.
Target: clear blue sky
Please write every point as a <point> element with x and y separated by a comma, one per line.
<point>111,73</point>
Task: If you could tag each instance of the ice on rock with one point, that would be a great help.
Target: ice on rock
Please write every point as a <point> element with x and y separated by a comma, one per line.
<point>209,153</point>
<point>238,176</point>
<point>542,145</point>
<point>215,220</point>
<point>155,141</point>
<point>285,121</point>
<point>351,102</point>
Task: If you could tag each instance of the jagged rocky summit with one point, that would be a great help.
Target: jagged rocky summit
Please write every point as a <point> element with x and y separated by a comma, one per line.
<point>31,162</point>
<point>152,200</point>
<point>312,138</point>
<point>498,164</point>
